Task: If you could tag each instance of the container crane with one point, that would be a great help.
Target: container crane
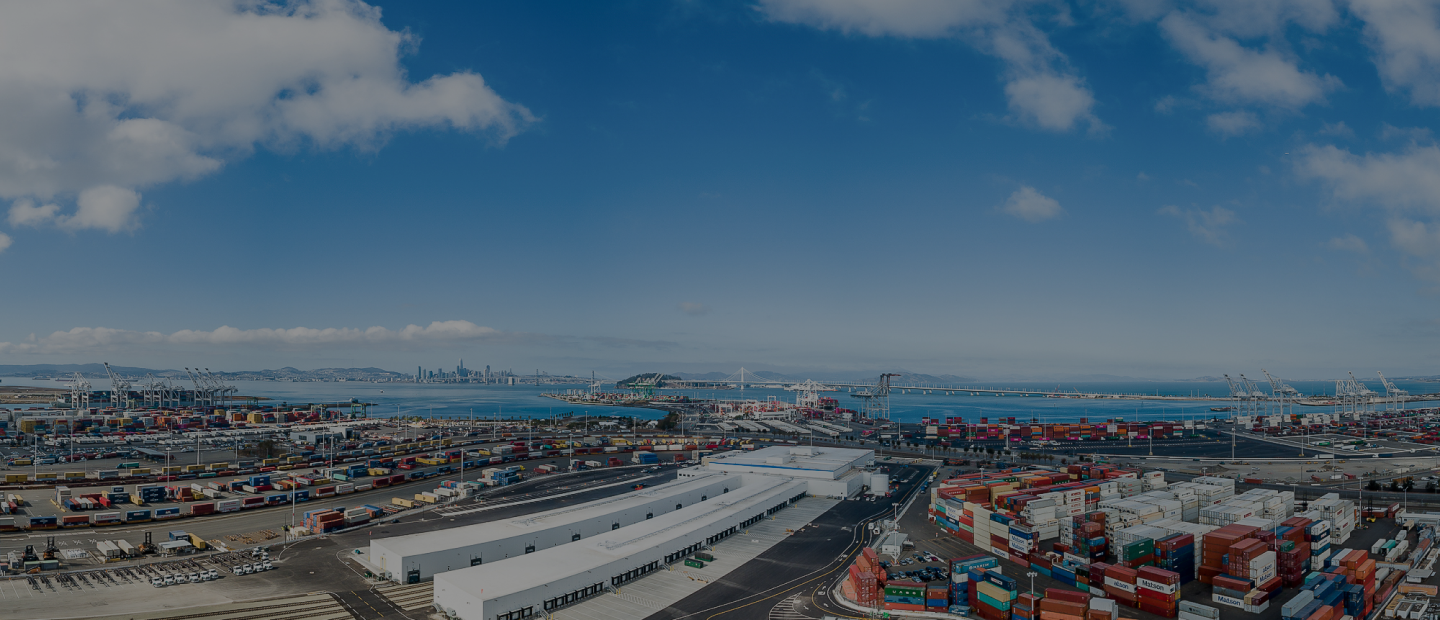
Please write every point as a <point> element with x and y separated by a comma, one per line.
<point>1282,392</point>
<point>219,388</point>
<point>79,393</point>
<point>876,404</point>
<point>1392,393</point>
<point>204,395</point>
<point>119,388</point>
<point>1240,394</point>
<point>1363,393</point>
<point>1257,398</point>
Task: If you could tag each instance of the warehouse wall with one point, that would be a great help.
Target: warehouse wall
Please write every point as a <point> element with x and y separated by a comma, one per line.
<point>390,555</point>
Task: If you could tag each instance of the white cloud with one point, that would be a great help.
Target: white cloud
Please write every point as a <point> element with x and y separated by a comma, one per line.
<point>1039,87</point>
<point>1258,18</point>
<point>1231,124</point>
<point>1413,134</point>
<point>1414,238</point>
<point>438,333</point>
<point>1052,101</point>
<point>1402,184</point>
<point>1349,243</point>
<point>24,213</point>
<point>1030,205</point>
<point>1406,180</point>
<point>1208,226</point>
<point>1405,36</point>
<point>106,207</point>
<point>120,96</point>
<point>694,309</point>
<point>1338,129</point>
<point>5,241</point>
<point>1237,74</point>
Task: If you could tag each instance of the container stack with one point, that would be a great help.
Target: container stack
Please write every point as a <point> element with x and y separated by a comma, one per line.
<point>1176,553</point>
<point>1025,607</point>
<point>1340,513</point>
<point>904,596</point>
<point>1196,611</point>
<point>1137,554</point>
<point>1216,546</point>
<point>1021,542</point>
<point>991,594</point>
<point>1089,542</point>
<point>862,584</point>
<point>960,583</point>
<point>1063,603</point>
<point>1157,591</point>
<point>1358,569</point>
<point>1292,549</point>
<point>937,597</point>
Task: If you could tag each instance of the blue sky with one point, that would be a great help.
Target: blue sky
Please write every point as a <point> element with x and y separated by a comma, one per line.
<point>990,189</point>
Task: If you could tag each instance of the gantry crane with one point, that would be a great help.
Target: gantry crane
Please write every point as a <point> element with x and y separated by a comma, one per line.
<point>119,388</point>
<point>80,393</point>
<point>1392,393</point>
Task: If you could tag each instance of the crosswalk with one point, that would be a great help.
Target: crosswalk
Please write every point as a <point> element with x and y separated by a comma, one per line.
<point>786,610</point>
<point>409,597</point>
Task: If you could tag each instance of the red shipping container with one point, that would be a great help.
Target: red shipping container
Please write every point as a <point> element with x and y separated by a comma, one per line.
<point>1067,595</point>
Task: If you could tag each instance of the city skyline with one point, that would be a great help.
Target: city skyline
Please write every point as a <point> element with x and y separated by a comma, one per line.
<point>995,190</point>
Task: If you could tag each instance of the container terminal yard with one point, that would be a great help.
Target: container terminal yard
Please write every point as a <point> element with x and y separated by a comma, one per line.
<point>740,509</point>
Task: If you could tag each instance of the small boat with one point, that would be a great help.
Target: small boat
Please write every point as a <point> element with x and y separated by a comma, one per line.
<point>1222,408</point>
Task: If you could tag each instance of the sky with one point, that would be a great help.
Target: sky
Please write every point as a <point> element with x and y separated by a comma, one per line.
<point>991,189</point>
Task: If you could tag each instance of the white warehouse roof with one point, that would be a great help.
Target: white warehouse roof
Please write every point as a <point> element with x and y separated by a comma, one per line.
<point>541,580</point>
<point>798,461</point>
<point>454,548</point>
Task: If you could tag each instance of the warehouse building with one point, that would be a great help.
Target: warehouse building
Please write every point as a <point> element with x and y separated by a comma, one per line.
<point>830,472</point>
<point>535,584</point>
<point>416,557</point>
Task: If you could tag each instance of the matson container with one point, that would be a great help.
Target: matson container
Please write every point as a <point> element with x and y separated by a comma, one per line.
<point>228,505</point>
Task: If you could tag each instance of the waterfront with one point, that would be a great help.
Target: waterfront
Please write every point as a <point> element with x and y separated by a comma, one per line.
<point>907,405</point>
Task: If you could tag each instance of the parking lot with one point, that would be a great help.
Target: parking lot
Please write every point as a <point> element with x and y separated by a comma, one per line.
<point>170,573</point>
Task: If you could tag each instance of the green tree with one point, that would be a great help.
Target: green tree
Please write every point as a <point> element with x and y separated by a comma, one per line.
<point>669,422</point>
<point>1373,486</point>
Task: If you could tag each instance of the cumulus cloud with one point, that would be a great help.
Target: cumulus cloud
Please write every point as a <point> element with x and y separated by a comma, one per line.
<point>1402,184</point>
<point>1414,238</point>
<point>1040,88</point>
<point>25,212</point>
<point>5,242</point>
<point>107,207</point>
<point>1405,37</point>
<point>114,97</point>
<point>1208,226</point>
<point>438,333</point>
<point>694,309</point>
<point>1230,124</point>
<point>1238,74</point>
<point>1338,129</point>
<point>1348,243</point>
<point>1030,205</point>
<point>1405,180</point>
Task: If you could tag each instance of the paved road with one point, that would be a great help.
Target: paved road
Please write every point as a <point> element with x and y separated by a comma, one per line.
<point>274,519</point>
<point>796,566</point>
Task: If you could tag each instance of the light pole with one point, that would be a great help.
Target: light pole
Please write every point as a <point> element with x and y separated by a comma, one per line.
<point>1031,575</point>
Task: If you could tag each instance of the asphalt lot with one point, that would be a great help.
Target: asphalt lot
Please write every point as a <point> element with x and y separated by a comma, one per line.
<point>318,564</point>
<point>793,572</point>
<point>218,527</point>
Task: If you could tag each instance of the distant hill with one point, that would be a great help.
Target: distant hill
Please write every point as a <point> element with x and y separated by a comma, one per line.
<point>282,374</point>
<point>848,377</point>
<point>89,370</point>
